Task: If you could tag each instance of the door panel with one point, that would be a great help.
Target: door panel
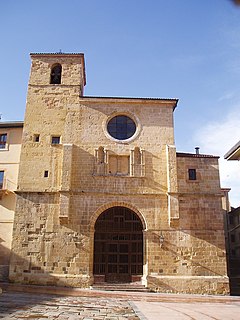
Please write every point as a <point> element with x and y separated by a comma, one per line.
<point>118,245</point>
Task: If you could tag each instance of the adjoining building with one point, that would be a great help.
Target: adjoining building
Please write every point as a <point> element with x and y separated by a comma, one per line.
<point>233,233</point>
<point>10,147</point>
<point>103,196</point>
<point>233,153</point>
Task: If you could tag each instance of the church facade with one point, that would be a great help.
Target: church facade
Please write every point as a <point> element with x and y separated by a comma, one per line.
<point>103,196</point>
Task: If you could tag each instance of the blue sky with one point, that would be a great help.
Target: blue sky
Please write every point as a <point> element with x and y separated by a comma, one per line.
<point>186,49</point>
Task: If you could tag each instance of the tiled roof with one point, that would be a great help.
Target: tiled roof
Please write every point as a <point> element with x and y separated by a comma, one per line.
<point>194,155</point>
<point>56,53</point>
<point>101,97</point>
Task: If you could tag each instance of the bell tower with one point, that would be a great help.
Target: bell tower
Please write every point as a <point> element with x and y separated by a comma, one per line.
<point>56,84</point>
<point>63,69</point>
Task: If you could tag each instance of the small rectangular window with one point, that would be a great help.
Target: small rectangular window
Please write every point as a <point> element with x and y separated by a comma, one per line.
<point>192,175</point>
<point>36,138</point>
<point>56,140</point>
<point>1,179</point>
<point>3,140</point>
<point>45,174</point>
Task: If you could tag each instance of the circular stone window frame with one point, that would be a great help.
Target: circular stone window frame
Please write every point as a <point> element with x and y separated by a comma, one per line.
<point>129,115</point>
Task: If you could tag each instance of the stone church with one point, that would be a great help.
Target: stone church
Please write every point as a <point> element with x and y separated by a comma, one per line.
<point>103,196</point>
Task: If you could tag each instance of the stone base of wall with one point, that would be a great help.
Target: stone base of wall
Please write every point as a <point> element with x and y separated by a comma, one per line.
<point>4,272</point>
<point>189,284</point>
<point>166,284</point>
<point>75,281</point>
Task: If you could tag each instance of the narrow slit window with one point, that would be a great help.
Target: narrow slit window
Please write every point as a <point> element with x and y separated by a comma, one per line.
<point>192,174</point>
<point>45,173</point>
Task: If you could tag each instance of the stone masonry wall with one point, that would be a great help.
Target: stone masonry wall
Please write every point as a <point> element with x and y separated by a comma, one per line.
<point>53,238</point>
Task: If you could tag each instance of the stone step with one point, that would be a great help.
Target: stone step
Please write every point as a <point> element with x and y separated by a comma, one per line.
<point>130,287</point>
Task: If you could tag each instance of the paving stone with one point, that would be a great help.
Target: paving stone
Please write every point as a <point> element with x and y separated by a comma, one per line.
<point>131,307</point>
<point>28,306</point>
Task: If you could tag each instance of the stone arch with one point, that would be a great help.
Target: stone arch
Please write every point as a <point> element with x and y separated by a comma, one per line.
<point>118,243</point>
<point>109,205</point>
<point>56,74</point>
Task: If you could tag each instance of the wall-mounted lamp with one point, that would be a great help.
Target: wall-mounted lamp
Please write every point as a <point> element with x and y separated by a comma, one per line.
<point>161,239</point>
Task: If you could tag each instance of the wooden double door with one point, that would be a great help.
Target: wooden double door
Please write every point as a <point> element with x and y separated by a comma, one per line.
<point>118,245</point>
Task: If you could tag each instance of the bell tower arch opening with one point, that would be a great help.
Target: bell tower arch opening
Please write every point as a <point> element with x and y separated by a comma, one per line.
<point>56,74</point>
<point>118,246</point>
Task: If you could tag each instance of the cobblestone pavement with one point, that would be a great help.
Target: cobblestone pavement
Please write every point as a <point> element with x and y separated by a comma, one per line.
<point>32,306</point>
<point>95,305</point>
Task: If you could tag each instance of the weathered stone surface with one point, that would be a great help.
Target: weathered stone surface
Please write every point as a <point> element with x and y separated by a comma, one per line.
<point>53,239</point>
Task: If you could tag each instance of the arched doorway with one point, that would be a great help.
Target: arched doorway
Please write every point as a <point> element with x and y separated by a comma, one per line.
<point>118,246</point>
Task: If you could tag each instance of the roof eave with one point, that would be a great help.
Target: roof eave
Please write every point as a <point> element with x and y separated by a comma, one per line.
<point>195,155</point>
<point>12,124</point>
<point>96,99</point>
<point>233,153</point>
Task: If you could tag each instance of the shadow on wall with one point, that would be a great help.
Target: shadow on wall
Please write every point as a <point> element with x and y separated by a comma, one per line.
<point>9,201</point>
<point>190,257</point>
<point>195,253</point>
<point>88,178</point>
<point>44,242</point>
<point>33,301</point>
<point>21,303</point>
<point>4,261</point>
<point>20,261</point>
<point>31,295</point>
<point>44,251</point>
